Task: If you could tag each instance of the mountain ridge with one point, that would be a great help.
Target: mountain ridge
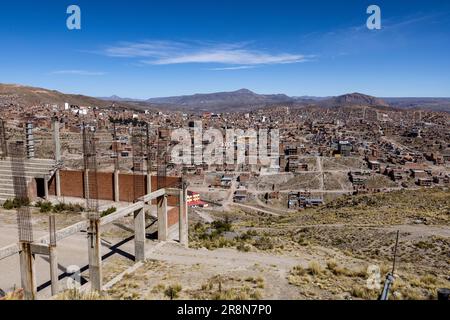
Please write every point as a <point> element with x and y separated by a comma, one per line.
<point>232,101</point>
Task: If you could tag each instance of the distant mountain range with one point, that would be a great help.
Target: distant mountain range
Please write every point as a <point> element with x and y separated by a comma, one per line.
<point>216,102</point>
<point>240,100</point>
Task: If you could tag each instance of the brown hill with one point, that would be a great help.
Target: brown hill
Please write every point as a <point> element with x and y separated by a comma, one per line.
<point>355,99</point>
<point>18,95</point>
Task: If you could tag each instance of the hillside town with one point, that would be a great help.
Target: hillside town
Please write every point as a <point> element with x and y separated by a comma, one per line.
<point>322,152</point>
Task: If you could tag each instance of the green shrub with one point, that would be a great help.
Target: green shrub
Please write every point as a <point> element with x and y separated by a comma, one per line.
<point>172,292</point>
<point>8,205</point>
<point>222,226</point>
<point>45,207</point>
<point>16,203</point>
<point>108,211</point>
<point>22,202</point>
<point>60,207</point>
<point>77,208</point>
<point>264,243</point>
<point>243,247</point>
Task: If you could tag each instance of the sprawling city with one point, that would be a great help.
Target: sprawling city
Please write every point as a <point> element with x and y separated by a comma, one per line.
<point>230,194</point>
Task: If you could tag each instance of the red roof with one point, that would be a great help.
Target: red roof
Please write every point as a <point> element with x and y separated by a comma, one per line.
<point>196,203</point>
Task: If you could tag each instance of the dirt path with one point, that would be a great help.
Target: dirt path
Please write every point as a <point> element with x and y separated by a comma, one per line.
<point>273,268</point>
<point>256,209</point>
<point>205,216</point>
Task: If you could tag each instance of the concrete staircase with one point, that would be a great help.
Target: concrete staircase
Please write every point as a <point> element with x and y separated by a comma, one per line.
<point>34,168</point>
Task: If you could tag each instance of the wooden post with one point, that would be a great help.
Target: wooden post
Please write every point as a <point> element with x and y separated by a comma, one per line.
<point>162,218</point>
<point>139,234</point>
<point>27,271</point>
<point>95,256</point>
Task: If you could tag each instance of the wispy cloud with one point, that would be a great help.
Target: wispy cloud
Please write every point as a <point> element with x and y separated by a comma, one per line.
<point>237,55</point>
<point>233,68</point>
<point>79,72</point>
<point>396,32</point>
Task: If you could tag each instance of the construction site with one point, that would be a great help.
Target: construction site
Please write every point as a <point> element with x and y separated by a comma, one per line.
<point>151,206</point>
<point>97,220</point>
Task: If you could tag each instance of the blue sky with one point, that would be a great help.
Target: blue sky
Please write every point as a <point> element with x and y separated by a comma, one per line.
<point>143,49</point>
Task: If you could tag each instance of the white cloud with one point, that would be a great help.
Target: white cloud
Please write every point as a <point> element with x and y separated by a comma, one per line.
<point>79,72</point>
<point>232,68</point>
<point>238,55</point>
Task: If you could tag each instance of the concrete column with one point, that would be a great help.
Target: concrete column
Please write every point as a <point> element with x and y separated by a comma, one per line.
<point>54,270</point>
<point>139,235</point>
<point>182,217</point>
<point>148,205</point>
<point>95,255</point>
<point>116,186</point>
<point>149,182</point>
<point>149,163</point>
<point>57,143</point>
<point>27,271</point>
<point>46,188</point>
<point>162,218</point>
<point>56,139</point>
<point>58,183</point>
<point>86,183</point>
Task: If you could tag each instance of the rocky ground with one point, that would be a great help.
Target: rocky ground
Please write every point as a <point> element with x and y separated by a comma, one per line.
<point>342,250</point>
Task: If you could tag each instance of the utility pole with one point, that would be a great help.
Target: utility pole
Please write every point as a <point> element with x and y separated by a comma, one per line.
<point>391,276</point>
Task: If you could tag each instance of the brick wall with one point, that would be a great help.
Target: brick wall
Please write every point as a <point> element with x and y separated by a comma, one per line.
<point>126,187</point>
<point>72,183</point>
<point>172,216</point>
<point>105,181</point>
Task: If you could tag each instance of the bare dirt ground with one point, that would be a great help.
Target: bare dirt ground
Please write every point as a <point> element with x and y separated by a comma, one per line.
<point>322,253</point>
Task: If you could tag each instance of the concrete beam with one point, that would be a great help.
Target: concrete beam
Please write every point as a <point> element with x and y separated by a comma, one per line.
<point>121,213</point>
<point>40,249</point>
<point>173,192</point>
<point>162,218</point>
<point>153,195</point>
<point>60,235</point>
<point>9,251</point>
